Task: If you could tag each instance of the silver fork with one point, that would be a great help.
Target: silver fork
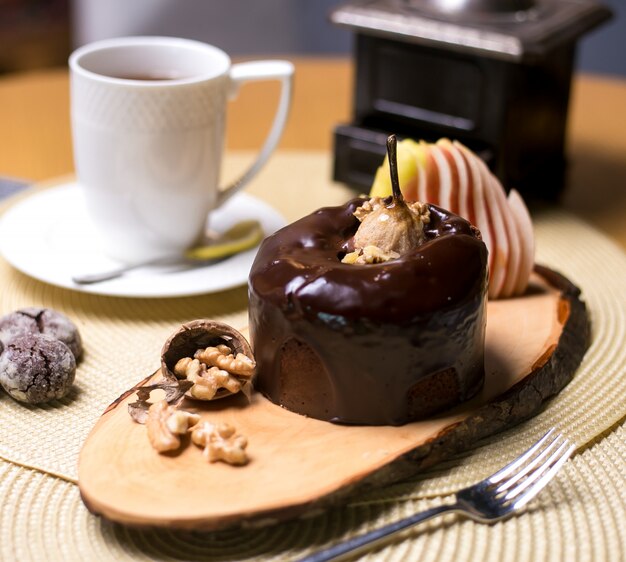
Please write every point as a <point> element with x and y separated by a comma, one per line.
<point>491,499</point>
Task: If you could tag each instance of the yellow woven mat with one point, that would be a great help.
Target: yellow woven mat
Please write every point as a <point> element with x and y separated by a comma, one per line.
<point>123,337</point>
<point>578,517</point>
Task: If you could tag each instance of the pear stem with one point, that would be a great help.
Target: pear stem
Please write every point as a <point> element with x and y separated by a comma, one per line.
<point>392,144</point>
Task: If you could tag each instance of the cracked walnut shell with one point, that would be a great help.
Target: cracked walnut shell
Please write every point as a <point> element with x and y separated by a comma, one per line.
<point>213,355</point>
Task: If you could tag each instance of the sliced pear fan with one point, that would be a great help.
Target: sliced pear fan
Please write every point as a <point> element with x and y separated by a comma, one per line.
<point>451,176</point>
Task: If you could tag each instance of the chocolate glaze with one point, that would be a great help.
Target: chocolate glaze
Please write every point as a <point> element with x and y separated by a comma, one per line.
<point>375,344</point>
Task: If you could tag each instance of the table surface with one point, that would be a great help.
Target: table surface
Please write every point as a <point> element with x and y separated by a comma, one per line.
<point>35,142</point>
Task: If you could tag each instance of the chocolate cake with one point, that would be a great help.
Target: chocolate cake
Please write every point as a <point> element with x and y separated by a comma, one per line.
<point>372,312</point>
<point>377,344</point>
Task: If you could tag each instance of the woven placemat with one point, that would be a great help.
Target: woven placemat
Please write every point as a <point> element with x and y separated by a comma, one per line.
<point>578,517</point>
<point>122,340</point>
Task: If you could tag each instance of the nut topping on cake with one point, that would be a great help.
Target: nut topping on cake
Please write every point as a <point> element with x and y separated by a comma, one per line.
<point>369,254</point>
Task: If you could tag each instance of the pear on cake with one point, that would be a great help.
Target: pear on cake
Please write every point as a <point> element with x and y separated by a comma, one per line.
<point>451,176</point>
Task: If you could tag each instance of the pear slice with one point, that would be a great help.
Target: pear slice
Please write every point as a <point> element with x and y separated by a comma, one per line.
<point>514,238</point>
<point>514,250</point>
<point>466,186</point>
<point>480,216</point>
<point>420,161</point>
<point>444,198</point>
<point>500,240</point>
<point>455,170</point>
<point>524,226</point>
<point>242,236</point>
<point>431,174</point>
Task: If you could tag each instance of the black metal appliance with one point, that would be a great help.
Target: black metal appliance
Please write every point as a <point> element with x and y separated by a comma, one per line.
<point>494,74</point>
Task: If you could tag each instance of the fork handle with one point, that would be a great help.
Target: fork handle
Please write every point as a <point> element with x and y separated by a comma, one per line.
<point>377,536</point>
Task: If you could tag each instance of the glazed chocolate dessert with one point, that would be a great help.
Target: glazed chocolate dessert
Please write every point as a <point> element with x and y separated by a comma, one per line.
<point>369,343</point>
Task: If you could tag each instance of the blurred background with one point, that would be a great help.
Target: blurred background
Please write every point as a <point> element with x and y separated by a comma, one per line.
<point>36,37</point>
<point>41,33</point>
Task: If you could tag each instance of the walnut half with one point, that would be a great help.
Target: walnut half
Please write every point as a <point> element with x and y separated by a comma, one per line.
<point>221,443</point>
<point>166,424</point>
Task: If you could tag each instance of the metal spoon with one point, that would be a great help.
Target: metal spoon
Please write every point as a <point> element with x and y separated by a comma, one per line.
<point>89,278</point>
<point>242,236</point>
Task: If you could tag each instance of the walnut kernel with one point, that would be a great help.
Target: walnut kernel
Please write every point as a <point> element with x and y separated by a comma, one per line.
<point>369,254</point>
<point>165,425</point>
<point>222,357</point>
<point>215,357</point>
<point>214,368</point>
<point>367,207</point>
<point>221,443</point>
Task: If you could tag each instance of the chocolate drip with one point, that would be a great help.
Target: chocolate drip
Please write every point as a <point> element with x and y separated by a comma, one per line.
<point>372,344</point>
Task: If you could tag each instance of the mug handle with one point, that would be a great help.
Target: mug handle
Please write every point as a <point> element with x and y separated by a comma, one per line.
<point>255,71</point>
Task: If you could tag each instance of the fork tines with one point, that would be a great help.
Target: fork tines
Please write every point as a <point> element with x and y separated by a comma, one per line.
<point>521,480</point>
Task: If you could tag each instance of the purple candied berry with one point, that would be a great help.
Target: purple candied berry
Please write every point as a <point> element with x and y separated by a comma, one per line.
<point>36,368</point>
<point>46,321</point>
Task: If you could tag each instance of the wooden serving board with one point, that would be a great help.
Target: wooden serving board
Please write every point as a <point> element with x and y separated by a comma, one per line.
<point>299,465</point>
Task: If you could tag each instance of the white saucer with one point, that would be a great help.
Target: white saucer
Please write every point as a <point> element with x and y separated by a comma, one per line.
<point>49,237</point>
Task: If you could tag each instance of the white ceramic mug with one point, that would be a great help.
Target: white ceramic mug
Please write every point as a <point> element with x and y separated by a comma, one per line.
<point>148,116</point>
